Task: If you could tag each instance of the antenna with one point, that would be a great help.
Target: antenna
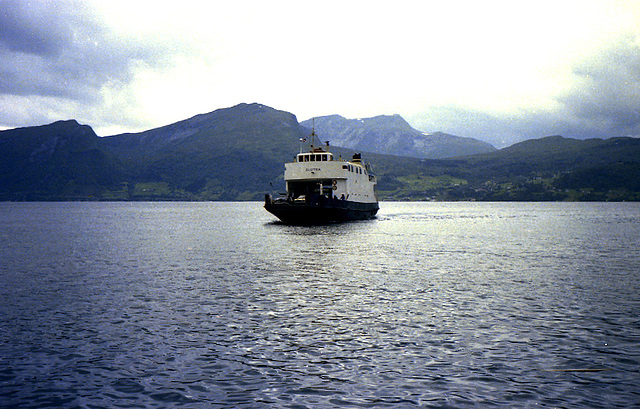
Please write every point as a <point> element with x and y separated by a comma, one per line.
<point>304,140</point>
<point>313,131</point>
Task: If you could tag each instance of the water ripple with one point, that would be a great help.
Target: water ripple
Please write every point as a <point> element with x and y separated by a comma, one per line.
<point>156,305</point>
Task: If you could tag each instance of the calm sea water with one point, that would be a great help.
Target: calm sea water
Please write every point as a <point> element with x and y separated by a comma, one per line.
<point>213,305</point>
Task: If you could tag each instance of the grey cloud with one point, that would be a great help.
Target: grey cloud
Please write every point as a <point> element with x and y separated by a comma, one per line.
<point>498,130</point>
<point>607,96</point>
<point>603,102</point>
<point>31,28</point>
<point>60,49</point>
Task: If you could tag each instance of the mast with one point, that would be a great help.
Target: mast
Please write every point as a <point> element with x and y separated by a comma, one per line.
<point>310,143</point>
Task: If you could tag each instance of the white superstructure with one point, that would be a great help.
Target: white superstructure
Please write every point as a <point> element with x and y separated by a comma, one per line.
<point>318,172</point>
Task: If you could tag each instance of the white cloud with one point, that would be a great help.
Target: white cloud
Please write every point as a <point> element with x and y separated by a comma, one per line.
<point>132,65</point>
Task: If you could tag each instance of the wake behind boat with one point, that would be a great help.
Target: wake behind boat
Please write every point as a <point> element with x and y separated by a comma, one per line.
<point>323,189</point>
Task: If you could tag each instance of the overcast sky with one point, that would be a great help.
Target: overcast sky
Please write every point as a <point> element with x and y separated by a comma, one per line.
<point>500,71</point>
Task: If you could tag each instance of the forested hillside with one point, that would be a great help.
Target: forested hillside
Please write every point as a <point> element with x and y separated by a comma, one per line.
<point>238,153</point>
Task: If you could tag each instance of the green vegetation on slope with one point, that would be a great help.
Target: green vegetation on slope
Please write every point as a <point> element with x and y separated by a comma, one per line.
<point>238,153</point>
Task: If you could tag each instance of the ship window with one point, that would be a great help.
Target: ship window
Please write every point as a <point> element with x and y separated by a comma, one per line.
<point>345,167</point>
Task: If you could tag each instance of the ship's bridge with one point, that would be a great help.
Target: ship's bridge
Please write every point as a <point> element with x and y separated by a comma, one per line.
<point>316,156</point>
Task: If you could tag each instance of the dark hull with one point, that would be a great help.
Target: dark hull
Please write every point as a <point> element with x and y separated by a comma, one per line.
<point>320,211</point>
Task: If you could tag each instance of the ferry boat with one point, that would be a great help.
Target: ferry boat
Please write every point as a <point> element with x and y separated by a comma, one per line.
<point>323,189</point>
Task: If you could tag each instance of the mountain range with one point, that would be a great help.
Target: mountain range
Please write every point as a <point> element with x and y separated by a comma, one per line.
<point>238,153</point>
<point>392,135</point>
